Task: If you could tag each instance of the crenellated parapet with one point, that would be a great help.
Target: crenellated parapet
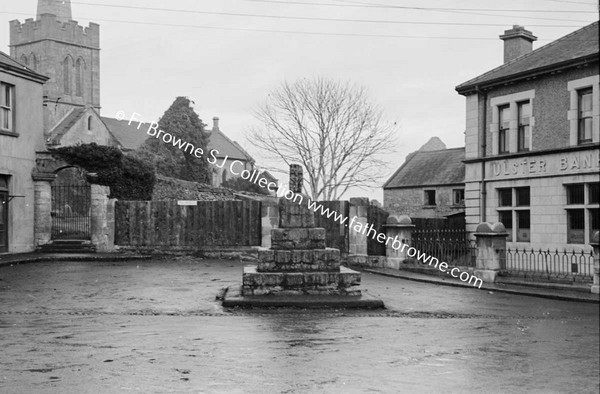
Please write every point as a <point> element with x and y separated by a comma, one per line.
<point>49,27</point>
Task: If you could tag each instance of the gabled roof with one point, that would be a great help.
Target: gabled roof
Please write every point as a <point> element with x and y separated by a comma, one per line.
<point>579,46</point>
<point>226,147</point>
<point>430,168</point>
<point>11,64</point>
<point>129,135</point>
<point>132,138</point>
<point>67,123</point>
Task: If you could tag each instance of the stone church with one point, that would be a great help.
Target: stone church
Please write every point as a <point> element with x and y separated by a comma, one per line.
<point>56,46</point>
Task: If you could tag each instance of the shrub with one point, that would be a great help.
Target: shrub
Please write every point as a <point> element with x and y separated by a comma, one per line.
<point>127,177</point>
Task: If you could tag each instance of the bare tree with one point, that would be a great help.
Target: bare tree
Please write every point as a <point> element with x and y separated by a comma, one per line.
<point>331,129</point>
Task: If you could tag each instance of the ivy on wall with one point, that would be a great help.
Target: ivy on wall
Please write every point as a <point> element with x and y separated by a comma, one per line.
<point>127,177</point>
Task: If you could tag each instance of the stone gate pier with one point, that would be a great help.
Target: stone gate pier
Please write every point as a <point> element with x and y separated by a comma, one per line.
<point>298,269</point>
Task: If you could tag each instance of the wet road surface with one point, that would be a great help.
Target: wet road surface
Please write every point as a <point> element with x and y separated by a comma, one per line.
<point>155,327</point>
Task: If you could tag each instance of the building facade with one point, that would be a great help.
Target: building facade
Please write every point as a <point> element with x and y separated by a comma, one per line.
<point>21,134</point>
<point>532,141</point>
<point>430,183</point>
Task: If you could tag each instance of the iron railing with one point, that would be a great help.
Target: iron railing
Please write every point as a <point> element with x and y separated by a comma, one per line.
<point>548,264</point>
<point>449,245</point>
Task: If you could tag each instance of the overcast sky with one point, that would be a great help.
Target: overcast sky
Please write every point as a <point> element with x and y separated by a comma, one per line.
<point>227,64</point>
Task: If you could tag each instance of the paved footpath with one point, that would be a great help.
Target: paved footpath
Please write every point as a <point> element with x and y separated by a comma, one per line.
<point>153,326</point>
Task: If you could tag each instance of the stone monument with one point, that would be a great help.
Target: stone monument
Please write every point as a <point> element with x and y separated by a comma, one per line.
<point>298,269</point>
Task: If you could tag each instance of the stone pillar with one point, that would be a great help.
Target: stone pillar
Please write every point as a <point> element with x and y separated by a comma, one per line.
<point>399,228</point>
<point>296,178</point>
<point>42,214</point>
<point>359,210</point>
<point>595,242</point>
<point>491,250</point>
<point>102,219</point>
<point>269,220</point>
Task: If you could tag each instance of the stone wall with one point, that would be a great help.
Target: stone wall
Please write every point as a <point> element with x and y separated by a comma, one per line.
<point>411,202</point>
<point>177,189</point>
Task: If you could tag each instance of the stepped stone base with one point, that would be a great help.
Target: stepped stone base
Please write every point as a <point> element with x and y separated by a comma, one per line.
<point>342,282</point>
<point>233,297</point>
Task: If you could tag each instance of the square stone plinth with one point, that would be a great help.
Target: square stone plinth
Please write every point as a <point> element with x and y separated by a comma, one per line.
<point>298,260</point>
<point>292,214</point>
<point>344,281</point>
<point>298,238</point>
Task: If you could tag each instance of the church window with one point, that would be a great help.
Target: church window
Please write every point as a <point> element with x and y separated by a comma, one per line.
<point>79,78</point>
<point>89,122</point>
<point>24,60</point>
<point>34,62</point>
<point>67,75</point>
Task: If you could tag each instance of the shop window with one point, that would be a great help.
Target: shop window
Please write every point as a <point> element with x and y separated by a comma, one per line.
<point>522,194</point>
<point>593,192</point>
<point>458,196</point>
<point>524,129</point>
<point>429,197</point>
<point>505,217</point>
<point>7,106</point>
<point>594,219</point>
<point>505,197</point>
<point>514,213</point>
<point>575,194</point>
<point>582,212</point>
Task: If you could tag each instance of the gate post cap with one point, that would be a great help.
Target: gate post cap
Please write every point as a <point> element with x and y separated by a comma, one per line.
<point>595,239</point>
<point>490,228</point>
<point>398,221</point>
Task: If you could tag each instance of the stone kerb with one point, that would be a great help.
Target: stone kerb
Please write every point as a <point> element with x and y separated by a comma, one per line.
<point>491,250</point>
<point>595,242</point>
<point>397,227</point>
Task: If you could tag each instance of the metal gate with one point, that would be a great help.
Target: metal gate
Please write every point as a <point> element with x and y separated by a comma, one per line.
<point>71,207</point>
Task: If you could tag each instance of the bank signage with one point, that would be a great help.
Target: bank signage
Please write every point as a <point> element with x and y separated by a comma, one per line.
<point>568,163</point>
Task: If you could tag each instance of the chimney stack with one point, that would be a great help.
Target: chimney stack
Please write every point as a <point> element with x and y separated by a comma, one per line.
<point>517,42</point>
<point>215,124</point>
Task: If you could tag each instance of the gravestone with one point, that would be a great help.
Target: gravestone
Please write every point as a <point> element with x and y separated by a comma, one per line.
<point>298,269</point>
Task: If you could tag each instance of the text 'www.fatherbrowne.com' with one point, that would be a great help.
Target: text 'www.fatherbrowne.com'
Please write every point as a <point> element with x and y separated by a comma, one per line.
<point>237,167</point>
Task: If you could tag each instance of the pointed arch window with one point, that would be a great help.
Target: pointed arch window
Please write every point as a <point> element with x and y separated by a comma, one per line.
<point>79,67</point>
<point>67,75</point>
<point>34,62</point>
<point>24,60</point>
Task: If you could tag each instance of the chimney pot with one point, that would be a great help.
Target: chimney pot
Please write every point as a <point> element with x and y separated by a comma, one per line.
<point>215,123</point>
<point>517,42</point>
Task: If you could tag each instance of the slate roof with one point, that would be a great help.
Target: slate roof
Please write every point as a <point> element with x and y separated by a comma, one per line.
<point>65,125</point>
<point>227,147</point>
<point>128,135</point>
<point>581,45</point>
<point>430,168</point>
<point>132,138</point>
<point>9,63</point>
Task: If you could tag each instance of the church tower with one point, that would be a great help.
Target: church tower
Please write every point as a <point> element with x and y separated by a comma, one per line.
<point>56,46</point>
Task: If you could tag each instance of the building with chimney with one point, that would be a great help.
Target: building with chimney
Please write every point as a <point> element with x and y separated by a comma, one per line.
<point>67,53</point>
<point>430,183</point>
<point>532,141</point>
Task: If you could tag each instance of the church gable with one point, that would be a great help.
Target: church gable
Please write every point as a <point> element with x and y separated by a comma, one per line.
<point>81,126</point>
